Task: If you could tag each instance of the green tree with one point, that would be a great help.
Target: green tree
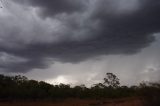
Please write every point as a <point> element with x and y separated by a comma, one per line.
<point>111,80</point>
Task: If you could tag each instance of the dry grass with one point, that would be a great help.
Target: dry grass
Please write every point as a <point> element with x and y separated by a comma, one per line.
<point>78,102</point>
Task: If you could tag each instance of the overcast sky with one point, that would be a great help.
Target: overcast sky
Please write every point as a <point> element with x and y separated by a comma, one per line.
<point>78,41</point>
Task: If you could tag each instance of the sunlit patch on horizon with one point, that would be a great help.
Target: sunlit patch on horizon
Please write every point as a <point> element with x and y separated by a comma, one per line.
<point>61,79</point>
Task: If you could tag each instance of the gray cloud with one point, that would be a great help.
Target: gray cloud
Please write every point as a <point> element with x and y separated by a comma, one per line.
<point>104,28</point>
<point>49,8</point>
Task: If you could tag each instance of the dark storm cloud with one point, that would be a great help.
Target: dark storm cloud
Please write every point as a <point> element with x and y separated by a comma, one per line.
<point>143,22</point>
<point>53,7</point>
<point>116,32</point>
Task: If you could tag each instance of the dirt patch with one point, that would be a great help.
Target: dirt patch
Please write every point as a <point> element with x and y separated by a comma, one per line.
<point>80,102</point>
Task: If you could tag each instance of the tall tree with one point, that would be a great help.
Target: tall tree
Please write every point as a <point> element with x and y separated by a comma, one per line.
<point>111,80</point>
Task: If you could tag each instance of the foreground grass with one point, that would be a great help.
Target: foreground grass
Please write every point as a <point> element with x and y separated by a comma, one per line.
<point>80,102</point>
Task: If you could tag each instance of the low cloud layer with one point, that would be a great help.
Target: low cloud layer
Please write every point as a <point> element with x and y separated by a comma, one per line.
<point>35,33</point>
<point>51,8</point>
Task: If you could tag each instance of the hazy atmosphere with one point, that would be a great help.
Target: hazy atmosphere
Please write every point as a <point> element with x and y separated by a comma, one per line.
<point>78,41</point>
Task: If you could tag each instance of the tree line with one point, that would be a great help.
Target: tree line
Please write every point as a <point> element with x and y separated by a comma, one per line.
<point>21,88</point>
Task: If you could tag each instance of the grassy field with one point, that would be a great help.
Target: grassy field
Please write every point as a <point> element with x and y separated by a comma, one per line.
<point>79,102</point>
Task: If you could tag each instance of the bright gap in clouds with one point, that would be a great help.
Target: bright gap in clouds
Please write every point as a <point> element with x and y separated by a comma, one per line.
<point>62,80</point>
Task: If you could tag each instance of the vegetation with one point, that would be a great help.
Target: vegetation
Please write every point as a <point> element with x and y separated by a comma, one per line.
<point>21,88</point>
<point>111,80</point>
